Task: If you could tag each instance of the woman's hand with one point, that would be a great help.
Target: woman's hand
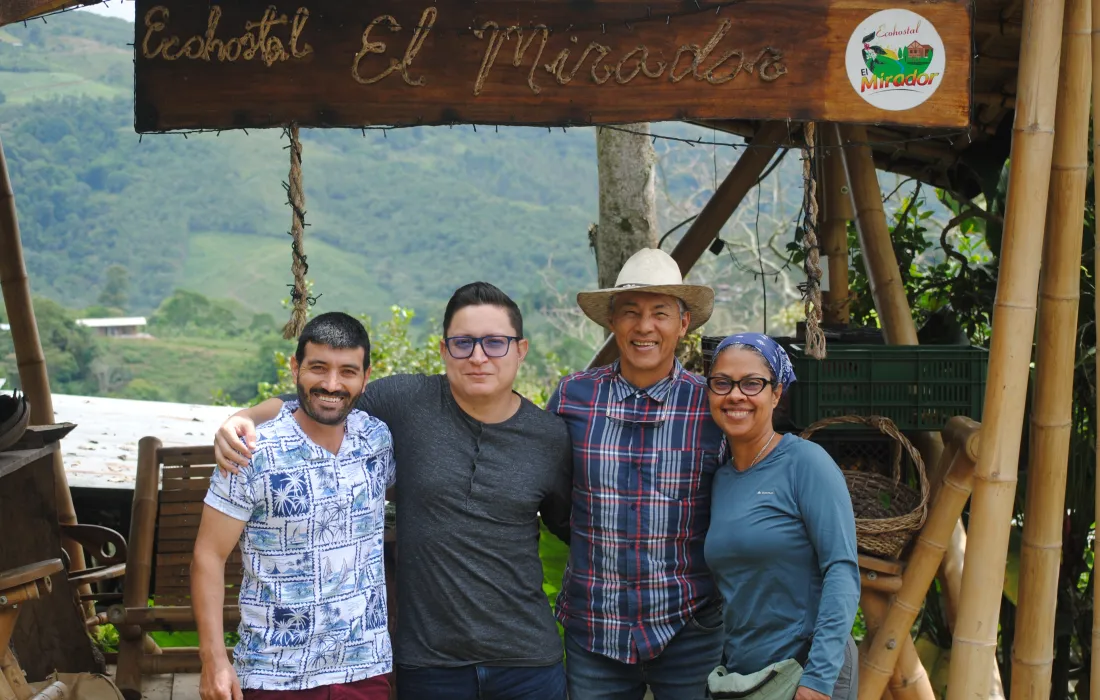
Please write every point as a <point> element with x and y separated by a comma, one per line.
<point>805,693</point>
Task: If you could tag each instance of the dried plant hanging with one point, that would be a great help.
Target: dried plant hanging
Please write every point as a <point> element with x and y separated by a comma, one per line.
<point>296,199</point>
<point>811,293</point>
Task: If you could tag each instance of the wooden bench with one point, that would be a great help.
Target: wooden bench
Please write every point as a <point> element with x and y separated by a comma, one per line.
<point>168,500</point>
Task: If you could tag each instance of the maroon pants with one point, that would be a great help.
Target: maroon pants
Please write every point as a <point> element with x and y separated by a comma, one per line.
<point>374,688</point>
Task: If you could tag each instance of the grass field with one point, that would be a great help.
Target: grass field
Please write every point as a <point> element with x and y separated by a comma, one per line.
<point>187,370</point>
<point>24,87</point>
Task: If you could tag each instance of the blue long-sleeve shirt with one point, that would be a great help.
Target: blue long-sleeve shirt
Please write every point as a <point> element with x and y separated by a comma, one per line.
<point>782,548</point>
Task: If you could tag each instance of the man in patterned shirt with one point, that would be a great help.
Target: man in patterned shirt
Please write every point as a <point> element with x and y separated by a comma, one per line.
<point>308,513</point>
<point>638,603</point>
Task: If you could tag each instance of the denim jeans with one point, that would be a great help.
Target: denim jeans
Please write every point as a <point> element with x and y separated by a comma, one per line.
<point>678,673</point>
<point>481,683</point>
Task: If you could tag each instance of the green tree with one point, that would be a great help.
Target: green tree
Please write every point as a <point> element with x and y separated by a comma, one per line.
<point>116,289</point>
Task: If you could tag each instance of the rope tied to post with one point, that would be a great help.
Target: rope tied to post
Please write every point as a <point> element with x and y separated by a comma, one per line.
<point>811,294</point>
<point>299,293</point>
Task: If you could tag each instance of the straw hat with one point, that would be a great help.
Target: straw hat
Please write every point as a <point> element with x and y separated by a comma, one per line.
<point>655,272</point>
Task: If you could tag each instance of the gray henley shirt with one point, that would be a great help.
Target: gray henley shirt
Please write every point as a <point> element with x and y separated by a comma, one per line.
<point>469,496</point>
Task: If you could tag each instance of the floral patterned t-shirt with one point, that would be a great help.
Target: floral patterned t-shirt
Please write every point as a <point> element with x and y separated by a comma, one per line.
<point>313,597</point>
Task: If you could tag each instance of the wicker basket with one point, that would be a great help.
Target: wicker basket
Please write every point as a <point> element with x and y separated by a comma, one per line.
<point>887,510</point>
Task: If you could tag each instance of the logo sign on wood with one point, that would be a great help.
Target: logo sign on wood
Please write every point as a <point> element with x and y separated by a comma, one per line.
<point>334,63</point>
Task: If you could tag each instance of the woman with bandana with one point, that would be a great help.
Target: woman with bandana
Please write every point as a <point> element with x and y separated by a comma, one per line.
<point>781,542</point>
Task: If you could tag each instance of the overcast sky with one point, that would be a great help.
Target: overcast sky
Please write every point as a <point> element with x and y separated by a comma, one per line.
<point>113,8</point>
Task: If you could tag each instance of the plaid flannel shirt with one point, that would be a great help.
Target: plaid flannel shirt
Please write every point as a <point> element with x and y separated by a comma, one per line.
<point>643,464</point>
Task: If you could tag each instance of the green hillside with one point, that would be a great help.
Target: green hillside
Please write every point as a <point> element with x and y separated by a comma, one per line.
<point>402,217</point>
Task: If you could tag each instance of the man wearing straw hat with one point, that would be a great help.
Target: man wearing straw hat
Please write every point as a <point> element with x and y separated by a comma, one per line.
<point>638,603</point>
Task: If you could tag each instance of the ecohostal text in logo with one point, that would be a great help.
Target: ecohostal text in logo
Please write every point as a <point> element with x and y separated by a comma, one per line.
<point>895,59</point>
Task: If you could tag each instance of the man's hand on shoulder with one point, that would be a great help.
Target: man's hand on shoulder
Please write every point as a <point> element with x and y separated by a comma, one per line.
<point>236,438</point>
<point>233,444</point>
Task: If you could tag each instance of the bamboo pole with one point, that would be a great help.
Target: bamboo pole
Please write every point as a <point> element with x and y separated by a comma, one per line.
<point>28,354</point>
<point>1052,407</point>
<point>834,230</point>
<point>909,680</point>
<point>874,237</point>
<point>975,641</point>
<point>877,666</point>
<point>717,211</point>
<point>1094,685</point>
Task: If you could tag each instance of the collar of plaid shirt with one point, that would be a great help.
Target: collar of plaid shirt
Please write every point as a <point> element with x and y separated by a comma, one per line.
<point>643,464</point>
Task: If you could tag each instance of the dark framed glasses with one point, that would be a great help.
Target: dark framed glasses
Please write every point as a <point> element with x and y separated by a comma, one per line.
<point>749,386</point>
<point>461,347</point>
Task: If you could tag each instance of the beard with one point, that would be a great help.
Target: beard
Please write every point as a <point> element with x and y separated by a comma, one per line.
<point>325,416</point>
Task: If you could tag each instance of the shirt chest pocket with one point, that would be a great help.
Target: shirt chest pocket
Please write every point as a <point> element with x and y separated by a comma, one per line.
<point>682,474</point>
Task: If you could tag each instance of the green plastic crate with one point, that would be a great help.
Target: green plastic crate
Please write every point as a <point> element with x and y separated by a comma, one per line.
<point>917,387</point>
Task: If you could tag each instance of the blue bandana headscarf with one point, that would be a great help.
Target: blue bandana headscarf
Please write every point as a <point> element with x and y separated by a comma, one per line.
<point>775,355</point>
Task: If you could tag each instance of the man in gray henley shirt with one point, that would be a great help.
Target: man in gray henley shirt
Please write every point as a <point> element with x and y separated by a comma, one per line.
<point>477,464</point>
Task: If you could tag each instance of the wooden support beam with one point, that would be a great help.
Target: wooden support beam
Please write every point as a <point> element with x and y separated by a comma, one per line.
<point>874,237</point>
<point>1094,687</point>
<point>742,178</point>
<point>992,506</point>
<point>837,212</point>
<point>19,10</point>
<point>1052,402</point>
<point>29,358</point>
<point>909,680</point>
<point>878,664</point>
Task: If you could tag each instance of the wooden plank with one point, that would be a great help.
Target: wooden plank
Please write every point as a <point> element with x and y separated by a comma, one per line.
<point>185,686</point>
<point>391,62</point>
<point>181,497</point>
<point>14,460</point>
<point>158,687</point>
<point>184,456</point>
<point>187,508</point>
<point>891,567</point>
<point>19,10</point>
<point>186,472</point>
<point>186,534</point>
<point>180,575</point>
<point>184,485</point>
<point>176,521</point>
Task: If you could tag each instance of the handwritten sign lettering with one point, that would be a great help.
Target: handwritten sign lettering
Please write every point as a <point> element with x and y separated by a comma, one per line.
<point>388,62</point>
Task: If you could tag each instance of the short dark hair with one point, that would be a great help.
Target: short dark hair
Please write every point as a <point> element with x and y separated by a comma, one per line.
<point>336,330</point>
<point>482,293</point>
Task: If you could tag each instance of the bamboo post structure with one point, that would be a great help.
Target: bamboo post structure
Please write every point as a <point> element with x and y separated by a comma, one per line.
<point>725,200</point>
<point>139,566</point>
<point>975,641</point>
<point>1094,685</point>
<point>909,680</point>
<point>874,237</point>
<point>28,351</point>
<point>877,665</point>
<point>834,229</point>
<point>1052,403</point>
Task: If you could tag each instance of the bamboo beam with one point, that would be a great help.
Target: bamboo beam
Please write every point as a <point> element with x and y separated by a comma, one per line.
<point>742,178</point>
<point>877,666</point>
<point>991,511</point>
<point>909,680</point>
<point>1052,407</point>
<point>1094,686</point>
<point>874,237</point>
<point>30,361</point>
<point>131,643</point>
<point>834,230</point>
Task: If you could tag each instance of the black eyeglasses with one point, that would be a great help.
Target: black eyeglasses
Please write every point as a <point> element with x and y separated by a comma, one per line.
<point>462,346</point>
<point>749,386</point>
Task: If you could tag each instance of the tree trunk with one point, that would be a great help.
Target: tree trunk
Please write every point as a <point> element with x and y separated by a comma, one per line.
<point>628,199</point>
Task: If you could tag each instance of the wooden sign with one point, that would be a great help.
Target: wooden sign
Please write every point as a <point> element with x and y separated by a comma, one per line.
<point>334,63</point>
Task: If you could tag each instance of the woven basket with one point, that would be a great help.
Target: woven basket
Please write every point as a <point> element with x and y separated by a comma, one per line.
<point>887,510</point>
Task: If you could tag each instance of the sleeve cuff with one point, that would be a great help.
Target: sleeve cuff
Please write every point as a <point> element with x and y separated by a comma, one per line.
<point>817,684</point>
<point>227,508</point>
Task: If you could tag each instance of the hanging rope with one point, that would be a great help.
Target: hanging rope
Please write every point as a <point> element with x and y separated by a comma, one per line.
<point>295,197</point>
<point>811,295</point>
